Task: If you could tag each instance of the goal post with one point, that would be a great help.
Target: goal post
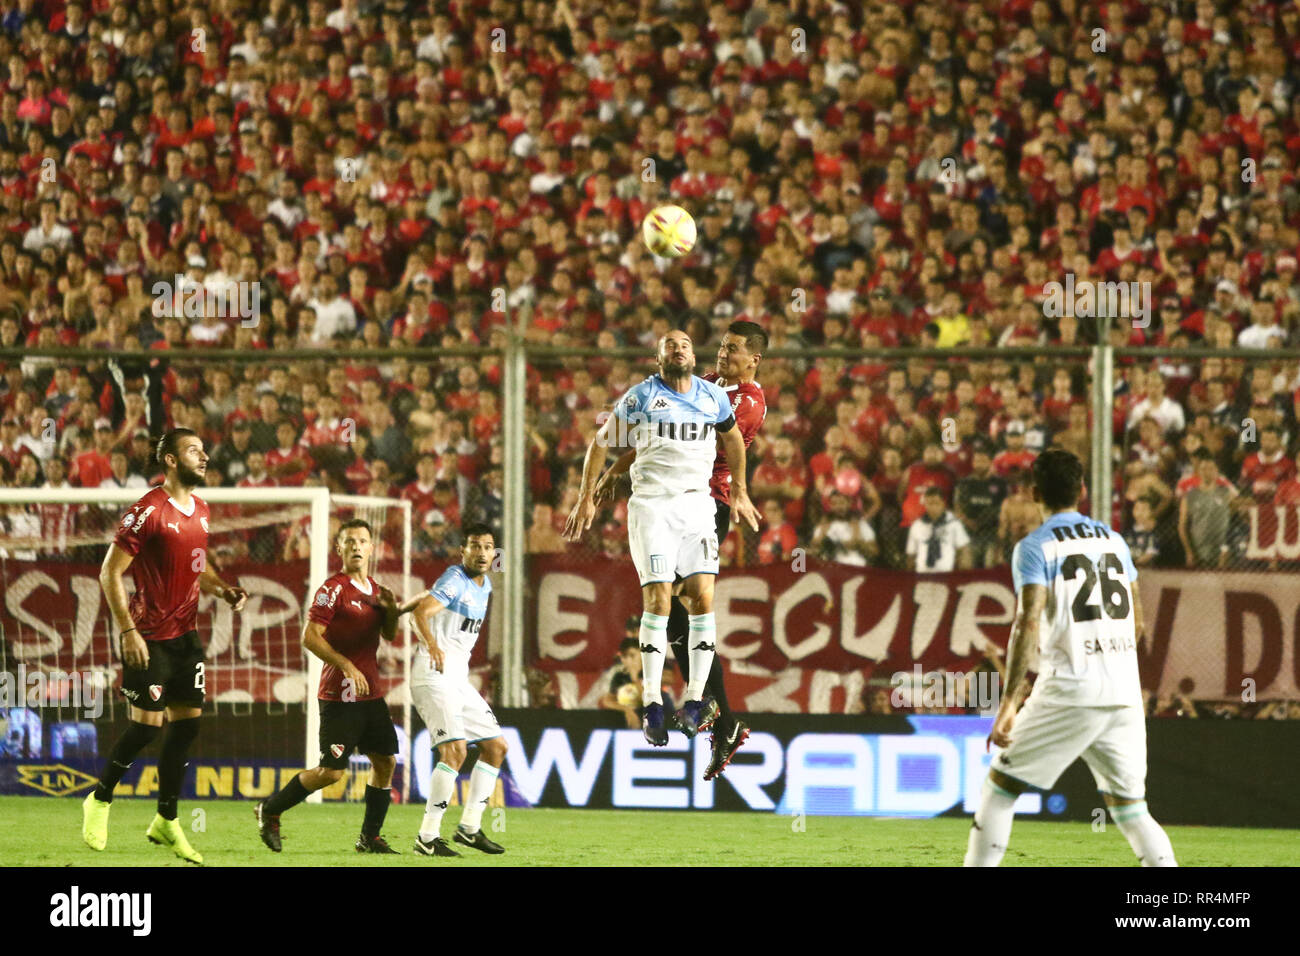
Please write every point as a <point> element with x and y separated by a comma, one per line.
<point>315,503</point>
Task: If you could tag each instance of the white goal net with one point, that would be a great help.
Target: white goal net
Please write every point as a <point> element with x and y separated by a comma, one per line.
<point>58,643</point>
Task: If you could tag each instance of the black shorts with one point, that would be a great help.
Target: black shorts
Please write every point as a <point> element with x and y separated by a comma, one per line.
<point>175,676</point>
<point>363,725</point>
<point>722,520</point>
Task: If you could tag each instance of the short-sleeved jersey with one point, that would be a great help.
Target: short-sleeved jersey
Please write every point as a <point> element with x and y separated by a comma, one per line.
<point>456,628</point>
<point>1088,640</point>
<point>749,406</point>
<point>353,619</point>
<point>169,547</point>
<point>674,434</point>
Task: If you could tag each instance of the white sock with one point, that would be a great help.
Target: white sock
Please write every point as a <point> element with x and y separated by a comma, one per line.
<point>1147,838</point>
<point>654,635</point>
<point>482,783</point>
<point>990,831</point>
<point>702,638</point>
<point>440,788</point>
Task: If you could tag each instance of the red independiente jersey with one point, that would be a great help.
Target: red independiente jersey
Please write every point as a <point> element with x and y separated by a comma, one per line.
<point>749,406</point>
<point>353,619</point>
<point>170,550</point>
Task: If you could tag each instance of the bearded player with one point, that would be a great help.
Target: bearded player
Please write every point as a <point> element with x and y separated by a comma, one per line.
<point>163,539</point>
<point>1078,605</point>
<point>738,357</point>
<point>675,420</point>
<point>349,614</point>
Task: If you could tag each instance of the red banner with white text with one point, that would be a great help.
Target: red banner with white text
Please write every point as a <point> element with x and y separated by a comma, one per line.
<point>809,640</point>
<point>53,617</point>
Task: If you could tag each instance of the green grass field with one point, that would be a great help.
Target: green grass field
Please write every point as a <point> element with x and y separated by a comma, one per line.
<point>38,831</point>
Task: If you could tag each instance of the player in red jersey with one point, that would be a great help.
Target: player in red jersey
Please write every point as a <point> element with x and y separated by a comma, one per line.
<point>738,358</point>
<point>349,614</point>
<point>163,539</point>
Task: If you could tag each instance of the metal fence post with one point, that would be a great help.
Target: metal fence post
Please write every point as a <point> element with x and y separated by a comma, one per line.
<point>1101,480</point>
<point>514,384</point>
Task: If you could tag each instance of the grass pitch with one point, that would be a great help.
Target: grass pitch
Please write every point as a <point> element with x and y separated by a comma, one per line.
<point>40,831</point>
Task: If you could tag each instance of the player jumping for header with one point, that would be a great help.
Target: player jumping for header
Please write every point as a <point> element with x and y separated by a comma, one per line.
<point>448,618</point>
<point>671,419</point>
<point>350,612</point>
<point>163,539</point>
<point>738,356</point>
<point>1078,605</point>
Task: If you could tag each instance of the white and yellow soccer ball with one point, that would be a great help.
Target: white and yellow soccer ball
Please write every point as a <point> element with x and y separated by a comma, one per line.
<point>669,231</point>
<point>629,695</point>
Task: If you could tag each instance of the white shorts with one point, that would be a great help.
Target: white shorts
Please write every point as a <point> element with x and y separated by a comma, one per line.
<point>1047,737</point>
<point>673,537</point>
<point>449,705</point>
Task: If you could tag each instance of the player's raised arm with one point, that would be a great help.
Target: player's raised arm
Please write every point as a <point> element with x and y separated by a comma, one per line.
<point>135,652</point>
<point>584,512</point>
<point>605,488</point>
<point>426,607</point>
<point>733,446</point>
<point>313,638</point>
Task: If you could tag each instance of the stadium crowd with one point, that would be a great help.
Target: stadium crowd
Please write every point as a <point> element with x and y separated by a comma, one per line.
<point>869,175</point>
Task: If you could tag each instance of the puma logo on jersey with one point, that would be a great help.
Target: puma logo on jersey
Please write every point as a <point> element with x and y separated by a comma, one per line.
<point>175,526</point>
<point>357,605</point>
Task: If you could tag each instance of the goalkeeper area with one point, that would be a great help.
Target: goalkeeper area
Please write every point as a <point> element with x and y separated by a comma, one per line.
<point>43,832</point>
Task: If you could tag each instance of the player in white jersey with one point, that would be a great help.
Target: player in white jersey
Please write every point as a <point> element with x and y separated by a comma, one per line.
<point>676,421</point>
<point>1078,606</point>
<point>448,618</point>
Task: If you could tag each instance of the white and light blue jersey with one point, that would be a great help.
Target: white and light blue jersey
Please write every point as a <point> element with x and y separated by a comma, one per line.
<point>1088,640</point>
<point>466,603</point>
<point>675,435</point>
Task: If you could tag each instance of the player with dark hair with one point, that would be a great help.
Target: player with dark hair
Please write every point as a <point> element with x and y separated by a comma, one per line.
<point>448,618</point>
<point>349,614</point>
<point>1078,606</point>
<point>739,355</point>
<point>163,539</point>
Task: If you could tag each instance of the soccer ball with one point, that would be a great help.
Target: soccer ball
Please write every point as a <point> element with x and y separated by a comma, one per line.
<point>669,231</point>
<point>628,695</point>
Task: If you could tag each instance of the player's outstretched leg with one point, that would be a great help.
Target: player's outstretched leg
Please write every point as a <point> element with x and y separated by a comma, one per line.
<point>290,795</point>
<point>165,830</point>
<point>429,841</point>
<point>990,830</point>
<point>379,795</point>
<point>654,645</point>
<point>482,782</point>
<point>701,641</point>
<point>94,809</point>
<point>1147,838</point>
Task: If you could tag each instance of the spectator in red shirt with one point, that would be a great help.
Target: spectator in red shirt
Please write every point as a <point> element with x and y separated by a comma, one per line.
<point>1014,456</point>
<point>779,538</point>
<point>782,479</point>
<point>929,472</point>
<point>93,465</point>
